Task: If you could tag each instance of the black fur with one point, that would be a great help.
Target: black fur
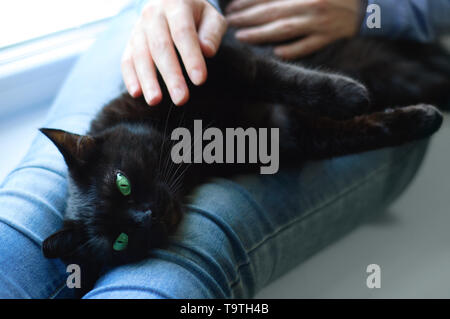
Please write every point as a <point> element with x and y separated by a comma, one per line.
<point>353,96</point>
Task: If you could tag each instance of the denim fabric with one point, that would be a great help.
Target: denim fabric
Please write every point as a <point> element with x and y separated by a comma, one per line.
<point>238,235</point>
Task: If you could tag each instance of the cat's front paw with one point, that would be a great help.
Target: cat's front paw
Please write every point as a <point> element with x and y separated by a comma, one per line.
<point>349,98</point>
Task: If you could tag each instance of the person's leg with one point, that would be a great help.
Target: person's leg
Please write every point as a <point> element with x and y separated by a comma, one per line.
<point>241,234</point>
<point>33,196</point>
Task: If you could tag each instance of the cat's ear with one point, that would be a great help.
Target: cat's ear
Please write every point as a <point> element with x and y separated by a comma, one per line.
<point>62,243</point>
<point>75,148</point>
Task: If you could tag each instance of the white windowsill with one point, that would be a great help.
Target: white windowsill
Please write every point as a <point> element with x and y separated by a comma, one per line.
<point>32,73</point>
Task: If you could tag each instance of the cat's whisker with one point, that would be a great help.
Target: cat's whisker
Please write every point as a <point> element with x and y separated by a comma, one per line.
<point>191,146</point>
<point>169,164</point>
<point>163,161</point>
<point>172,164</point>
<point>174,189</point>
<point>175,179</point>
<point>165,130</point>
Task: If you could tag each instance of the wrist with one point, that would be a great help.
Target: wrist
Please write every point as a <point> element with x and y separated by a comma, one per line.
<point>352,21</point>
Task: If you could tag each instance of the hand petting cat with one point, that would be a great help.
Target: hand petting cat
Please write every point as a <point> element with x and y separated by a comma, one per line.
<point>304,26</point>
<point>194,27</point>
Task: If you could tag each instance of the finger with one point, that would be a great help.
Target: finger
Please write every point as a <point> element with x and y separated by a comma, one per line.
<point>145,69</point>
<point>211,30</point>
<point>182,29</point>
<point>301,47</point>
<point>129,74</point>
<point>267,12</point>
<point>166,60</point>
<point>238,5</point>
<point>276,31</point>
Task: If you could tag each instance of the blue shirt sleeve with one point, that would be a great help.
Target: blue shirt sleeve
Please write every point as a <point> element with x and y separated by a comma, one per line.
<point>419,20</point>
<point>215,4</point>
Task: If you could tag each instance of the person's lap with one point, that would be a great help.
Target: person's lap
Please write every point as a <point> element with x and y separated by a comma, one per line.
<point>237,236</point>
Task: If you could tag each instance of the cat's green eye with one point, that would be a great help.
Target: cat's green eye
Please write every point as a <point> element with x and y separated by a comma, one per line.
<point>121,242</point>
<point>123,184</point>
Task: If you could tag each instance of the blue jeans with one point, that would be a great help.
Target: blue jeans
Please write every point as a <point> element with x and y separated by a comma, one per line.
<point>237,236</point>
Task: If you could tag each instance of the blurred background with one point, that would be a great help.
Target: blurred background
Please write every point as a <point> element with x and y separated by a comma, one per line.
<point>410,241</point>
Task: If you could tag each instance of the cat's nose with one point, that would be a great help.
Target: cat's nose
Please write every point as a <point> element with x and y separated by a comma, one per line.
<point>148,213</point>
<point>143,216</point>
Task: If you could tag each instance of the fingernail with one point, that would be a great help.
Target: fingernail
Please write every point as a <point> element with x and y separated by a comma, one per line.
<point>152,97</point>
<point>178,95</point>
<point>133,89</point>
<point>197,77</point>
<point>209,44</point>
<point>278,51</point>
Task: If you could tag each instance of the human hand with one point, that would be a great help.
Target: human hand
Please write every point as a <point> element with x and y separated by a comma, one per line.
<point>195,27</point>
<point>309,24</point>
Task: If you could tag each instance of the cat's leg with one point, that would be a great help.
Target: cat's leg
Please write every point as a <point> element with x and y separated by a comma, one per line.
<point>253,76</point>
<point>317,138</point>
<point>395,73</point>
<point>319,92</point>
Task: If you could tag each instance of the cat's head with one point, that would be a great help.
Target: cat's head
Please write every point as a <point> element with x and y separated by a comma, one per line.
<point>119,206</point>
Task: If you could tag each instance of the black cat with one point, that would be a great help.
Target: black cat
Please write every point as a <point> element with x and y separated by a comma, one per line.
<point>125,192</point>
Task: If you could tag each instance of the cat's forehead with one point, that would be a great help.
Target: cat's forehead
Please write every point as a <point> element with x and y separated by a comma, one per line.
<point>124,138</point>
<point>129,150</point>
<point>125,147</point>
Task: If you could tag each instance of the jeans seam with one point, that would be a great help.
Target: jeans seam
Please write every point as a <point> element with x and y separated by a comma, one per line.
<point>17,169</point>
<point>25,233</point>
<point>20,289</point>
<point>207,260</point>
<point>32,198</point>
<point>191,266</point>
<point>229,232</point>
<point>36,167</point>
